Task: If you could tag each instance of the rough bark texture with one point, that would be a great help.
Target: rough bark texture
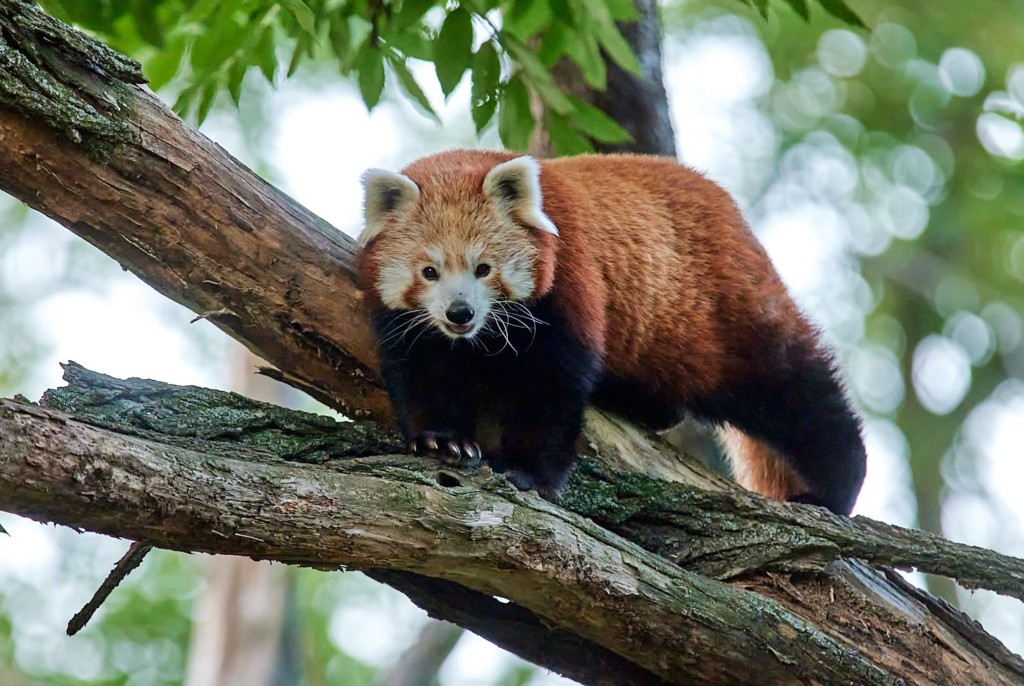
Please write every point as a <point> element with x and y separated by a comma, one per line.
<point>84,144</point>
<point>201,471</point>
<point>192,469</point>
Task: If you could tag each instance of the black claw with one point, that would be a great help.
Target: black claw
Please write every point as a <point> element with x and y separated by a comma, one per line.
<point>448,447</point>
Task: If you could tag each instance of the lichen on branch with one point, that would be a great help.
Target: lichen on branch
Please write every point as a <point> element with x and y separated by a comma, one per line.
<point>59,75</point>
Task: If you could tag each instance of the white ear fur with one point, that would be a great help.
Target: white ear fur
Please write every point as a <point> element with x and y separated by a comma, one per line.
<point>385,192</point>
<point>515,185</point>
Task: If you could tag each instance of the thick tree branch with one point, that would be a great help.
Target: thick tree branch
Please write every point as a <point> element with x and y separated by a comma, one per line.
<point>191,469</point>
<point>726,534</point>
<point>748,533</point>
<point>178,211</point>
<point>483,535</point>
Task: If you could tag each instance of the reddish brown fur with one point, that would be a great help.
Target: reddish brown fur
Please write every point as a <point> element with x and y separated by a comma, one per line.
<point>656,270</point>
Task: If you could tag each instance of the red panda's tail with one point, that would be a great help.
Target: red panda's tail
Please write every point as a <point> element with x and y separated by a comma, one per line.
<point>759,467</point>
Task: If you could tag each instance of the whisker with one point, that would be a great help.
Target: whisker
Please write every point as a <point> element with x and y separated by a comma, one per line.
<point>502,327</point>
<point>516,314</point>
<point>403,324</point>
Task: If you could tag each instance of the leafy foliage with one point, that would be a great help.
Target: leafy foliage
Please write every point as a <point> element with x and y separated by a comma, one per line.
<point>837,8</point>
<point>507,46</point>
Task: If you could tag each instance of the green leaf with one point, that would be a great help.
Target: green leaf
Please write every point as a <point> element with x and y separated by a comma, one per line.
<point>611,38</point>
<point>209,94</point>
<point>338,41</point>
<point>413,43</point>
<point>622,10</point>
<point>183,103</point>
<point>840,10</point>
<point>515,118</point>
<point>410,12</point>
<point>266,55</point>
<point>527,17</point>
<point>483,112</point>
<point>217,42</point>
<point>558,40</point>
<point>303,15</point>
<point>801,8</point>
<point>236,74</point>
<point>453,49</point>
<point>163,67</point>
<point>144,13</point>
<point>409,85</point>
<point>302,48</point>
<point>3,530</point>
<point>564,140</point>
<point>486,73</point>
<point>370,70</point>
<point>538,76</point>
<point>587,54</point>
<point>598,125</point>
<point>562,10</point>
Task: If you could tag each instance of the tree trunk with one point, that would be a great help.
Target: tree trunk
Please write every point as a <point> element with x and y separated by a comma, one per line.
<point>633,581</point>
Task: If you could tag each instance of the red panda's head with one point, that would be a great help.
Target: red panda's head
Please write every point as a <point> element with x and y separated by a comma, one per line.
<point>459,239</point>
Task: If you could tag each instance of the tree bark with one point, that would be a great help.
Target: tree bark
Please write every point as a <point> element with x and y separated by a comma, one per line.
<point>107,160</point>
<point>128,462</point>
<point>178,211</point>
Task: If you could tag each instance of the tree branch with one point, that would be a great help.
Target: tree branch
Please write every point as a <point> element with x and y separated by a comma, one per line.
<point>131,559</point>
<point>749,534</point>
<point>192,469</point>
<point>178,211</point>
<point>205,497</point>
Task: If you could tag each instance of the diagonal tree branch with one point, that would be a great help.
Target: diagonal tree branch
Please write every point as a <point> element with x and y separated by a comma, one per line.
<point>486,537</point>
<point>178,211</point>
<point>192,469</point>
<point>721,534</point>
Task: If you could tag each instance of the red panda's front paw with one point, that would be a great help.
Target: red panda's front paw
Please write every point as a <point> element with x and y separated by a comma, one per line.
<point>547,487</point>
<point>447,446</point>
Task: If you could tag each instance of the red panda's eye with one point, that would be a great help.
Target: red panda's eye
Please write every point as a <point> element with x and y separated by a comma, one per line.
<point>482,270</point>
<point>430,274</point>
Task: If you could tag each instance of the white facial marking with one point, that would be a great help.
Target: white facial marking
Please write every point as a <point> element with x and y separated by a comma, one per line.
<point>435,255</point>
<point>394,279</point>
<point>518,277</point>
<point>454,289</point>
<point>473,254</point>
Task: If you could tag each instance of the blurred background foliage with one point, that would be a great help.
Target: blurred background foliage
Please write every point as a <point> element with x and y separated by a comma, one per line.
<point>881,166</point>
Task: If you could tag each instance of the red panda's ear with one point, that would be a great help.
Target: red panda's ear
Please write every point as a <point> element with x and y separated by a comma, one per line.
<point>515,186</point>
<point>385,193</point>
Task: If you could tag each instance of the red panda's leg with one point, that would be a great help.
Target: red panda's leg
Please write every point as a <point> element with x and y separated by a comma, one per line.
<point>433,403</point>
<point>538,450</point>
<point>635,401</point>
<point>542,414</point>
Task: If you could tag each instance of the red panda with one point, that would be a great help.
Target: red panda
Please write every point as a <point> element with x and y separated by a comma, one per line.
<point>507,293</point>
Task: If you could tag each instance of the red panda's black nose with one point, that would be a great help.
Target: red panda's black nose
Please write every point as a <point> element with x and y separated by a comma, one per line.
<point>459,313</point>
